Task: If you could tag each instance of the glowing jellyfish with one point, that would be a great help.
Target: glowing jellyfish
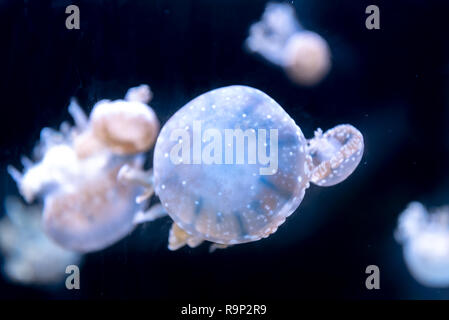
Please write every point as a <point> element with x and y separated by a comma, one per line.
<point>280,39</point>
<point>30,256</point>
<point>86,207</point>
<point>231,165</point>
<point>425,240</point>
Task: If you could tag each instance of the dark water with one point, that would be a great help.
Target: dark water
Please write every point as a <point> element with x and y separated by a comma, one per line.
<point>392,84</point>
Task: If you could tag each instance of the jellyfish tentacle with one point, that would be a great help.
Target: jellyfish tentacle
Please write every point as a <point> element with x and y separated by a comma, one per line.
<point>335,154</point>
<point>50,137</point>
<point>214,246</point>
<point>65,129</point>
<point>145,196</point>
<point>155,212</point>
<point>15,174</point>
<point>78,115</point>
<point>27,190</point>
<point>26,162</point>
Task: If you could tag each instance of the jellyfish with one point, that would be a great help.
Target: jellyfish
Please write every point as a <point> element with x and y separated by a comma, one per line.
<point>280,39</point>
<point>30,256</point>
<point>85,206</point>
<point>425,239</point>
<point>231,165</point>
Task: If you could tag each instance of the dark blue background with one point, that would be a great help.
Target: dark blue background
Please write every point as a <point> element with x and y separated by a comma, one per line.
<point>391,83</point>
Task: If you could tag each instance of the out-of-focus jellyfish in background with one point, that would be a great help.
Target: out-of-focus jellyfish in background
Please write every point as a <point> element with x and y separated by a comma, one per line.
<point>30,257</point>
<point>425,239</point>
<point>280,39</point>
<point>74,171</point>
<point>236,200</point>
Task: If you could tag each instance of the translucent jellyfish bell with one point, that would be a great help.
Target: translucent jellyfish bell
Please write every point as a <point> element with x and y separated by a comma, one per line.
<point>230,203</point>
<point>231,165</point>
<point>425,240</point>
<point>86,205</point>
<point>30,257</point>
<point>126,126</point>
<point>93,212</point>
<point>335,154</point>
<point>280,39</point>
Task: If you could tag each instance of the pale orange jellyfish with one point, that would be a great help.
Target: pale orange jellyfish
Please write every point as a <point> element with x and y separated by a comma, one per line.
<point>280,39</point>
<point>86,206</point>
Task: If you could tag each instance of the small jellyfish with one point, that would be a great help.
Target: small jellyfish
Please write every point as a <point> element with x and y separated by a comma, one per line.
<point>425,239</point>
<point>280,39</point>
<point>333,154</point>
<point>30,256</point>
<point>86,206</point>
<point>231,165</point>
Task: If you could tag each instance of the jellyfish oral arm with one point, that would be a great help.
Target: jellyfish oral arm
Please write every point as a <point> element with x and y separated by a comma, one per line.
<point>214,246</point>
<point>155,212</point>
<point>335,154</point>
<point>130,175</point>
<point>178,238</point>
<point>78,115</point>
<point>15,174</point>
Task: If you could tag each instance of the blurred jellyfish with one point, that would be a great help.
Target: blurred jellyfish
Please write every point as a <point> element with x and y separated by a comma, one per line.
<point>86,207</point>
<point>231,202</point>
<point>30,257</point>
<point>425,239</point>
<point>127,126</point>
<point>280,39</point>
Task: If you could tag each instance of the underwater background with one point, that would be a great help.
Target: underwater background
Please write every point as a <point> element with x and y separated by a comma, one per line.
<point>392,84</point>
